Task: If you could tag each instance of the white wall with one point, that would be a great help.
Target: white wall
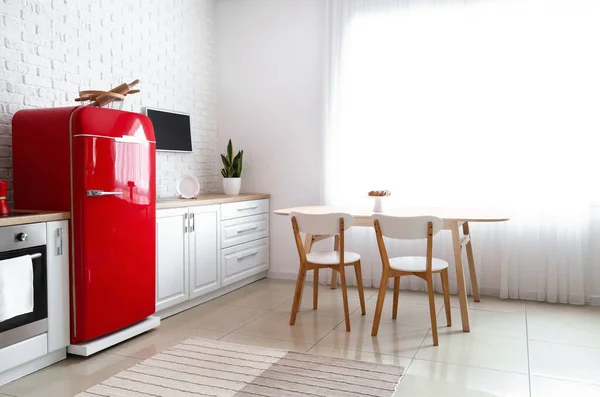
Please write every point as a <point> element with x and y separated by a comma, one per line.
<point>270,62</point>
<point>50,50</point>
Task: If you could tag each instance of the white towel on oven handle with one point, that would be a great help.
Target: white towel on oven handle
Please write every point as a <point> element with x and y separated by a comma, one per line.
<point>16,287</point>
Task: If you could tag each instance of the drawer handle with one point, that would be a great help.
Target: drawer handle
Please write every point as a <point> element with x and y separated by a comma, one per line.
<point>247,230</point>
<point>248,208</point>
<point>239,258</point>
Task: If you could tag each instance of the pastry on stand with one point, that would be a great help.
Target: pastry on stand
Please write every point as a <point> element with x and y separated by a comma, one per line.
<point>379,194</point>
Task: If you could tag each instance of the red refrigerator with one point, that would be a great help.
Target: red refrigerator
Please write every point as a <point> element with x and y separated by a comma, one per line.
<point>99,165</point>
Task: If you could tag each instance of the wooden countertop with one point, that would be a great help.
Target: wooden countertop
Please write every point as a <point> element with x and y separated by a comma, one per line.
<point>32,217</point>
<point>208,199</point>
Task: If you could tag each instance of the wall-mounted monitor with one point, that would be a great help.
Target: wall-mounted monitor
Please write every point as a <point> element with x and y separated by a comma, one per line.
<point>172,130</point>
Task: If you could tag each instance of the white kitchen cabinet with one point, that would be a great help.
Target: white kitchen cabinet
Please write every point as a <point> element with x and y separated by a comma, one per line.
<point>242,230</point>
<point>202,248</point>
<point>204,255</point>
<point>244,260</point>
<point>171,257</point>
<point>57,265</point>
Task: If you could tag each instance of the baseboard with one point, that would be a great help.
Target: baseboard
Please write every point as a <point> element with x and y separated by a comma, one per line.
<point>32,366</point>
<point>170,311</point>
<point>595,300</point>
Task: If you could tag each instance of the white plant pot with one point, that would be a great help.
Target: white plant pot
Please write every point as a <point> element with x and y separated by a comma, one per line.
<point>231,186</point>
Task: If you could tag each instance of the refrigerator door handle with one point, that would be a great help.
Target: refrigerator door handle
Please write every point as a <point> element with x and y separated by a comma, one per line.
<point>96,193</point>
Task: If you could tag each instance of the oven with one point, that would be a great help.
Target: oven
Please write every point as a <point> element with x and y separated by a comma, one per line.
<point>16,241</point>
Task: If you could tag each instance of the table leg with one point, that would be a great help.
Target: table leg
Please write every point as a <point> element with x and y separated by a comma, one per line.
<point>472,274</point>
<point>334,275</point>
<point>460,278</point>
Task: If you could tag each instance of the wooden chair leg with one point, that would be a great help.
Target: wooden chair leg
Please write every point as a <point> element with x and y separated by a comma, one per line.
<point>298,294</point>
<point>345,297</point>
<point>336,247</point>
<point>396,293</point>
<point>446,291</point>
<point>361,289</point>
<point>316,288</point>
<point>432,314</point>
<point>379,307</point>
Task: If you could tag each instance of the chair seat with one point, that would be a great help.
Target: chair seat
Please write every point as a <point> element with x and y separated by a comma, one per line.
<point>416,264</point>
<point>331,258</point>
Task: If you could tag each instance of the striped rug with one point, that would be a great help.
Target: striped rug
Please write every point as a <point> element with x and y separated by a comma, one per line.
<point>201,367</point>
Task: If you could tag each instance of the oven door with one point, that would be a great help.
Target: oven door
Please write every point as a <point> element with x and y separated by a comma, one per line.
<point>28,325</point>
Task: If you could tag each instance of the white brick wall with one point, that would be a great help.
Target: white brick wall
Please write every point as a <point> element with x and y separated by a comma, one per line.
<point>52,49</point>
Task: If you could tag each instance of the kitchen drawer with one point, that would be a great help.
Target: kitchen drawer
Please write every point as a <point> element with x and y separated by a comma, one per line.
<point>23,352</point>
<point>244,208</point>
<point>244,260</point>
<point>243,230</point>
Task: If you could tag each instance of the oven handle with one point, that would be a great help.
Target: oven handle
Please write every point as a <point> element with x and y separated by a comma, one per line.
<point>35,256</point>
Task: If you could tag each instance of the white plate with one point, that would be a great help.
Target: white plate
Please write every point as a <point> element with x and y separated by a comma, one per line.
<point>187,187</point>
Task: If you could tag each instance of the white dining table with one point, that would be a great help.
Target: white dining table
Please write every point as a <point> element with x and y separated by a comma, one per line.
<point>454,219</point>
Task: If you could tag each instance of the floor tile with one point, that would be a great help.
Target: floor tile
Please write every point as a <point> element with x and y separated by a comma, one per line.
<point>492,303</point>
<point>430,379</point>
<point>512,325</point>
<point>352,291</point>
<point>568,324</point>
<point>328,305</point>
<point>157,340</point>
<point>406,296</point>
<point>268,343</point>
<point>310,327</point>
<point>411,314</point>
<point>361,356</point>
<point>396,340</point>
<point>214,317</point>
<point>546,387</point>
<point>567,362</point>
<point>476,350</point>
<point>274,285</point>
<point>260,299</point>
<point>69,377</point>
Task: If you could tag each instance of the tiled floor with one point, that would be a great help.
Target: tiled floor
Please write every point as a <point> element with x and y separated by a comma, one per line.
<point>515,348</point>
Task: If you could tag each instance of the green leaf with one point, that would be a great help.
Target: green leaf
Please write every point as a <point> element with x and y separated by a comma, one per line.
<point>226,162</point>
<point>230,151</point>
<point>224,173</point>
<point>236,159</point>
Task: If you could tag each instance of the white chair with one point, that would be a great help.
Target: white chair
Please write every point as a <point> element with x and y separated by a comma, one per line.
<point>410,228</point>
<point>324,225</point>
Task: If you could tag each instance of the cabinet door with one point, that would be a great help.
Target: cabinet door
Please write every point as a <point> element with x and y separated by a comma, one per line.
<point>244,260</point>
<point>204,249</point>
<point>57,264</point>
<point>171,257</point>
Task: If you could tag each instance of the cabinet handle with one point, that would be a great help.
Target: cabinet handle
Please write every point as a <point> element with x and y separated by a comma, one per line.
<point>193,222</point>
<point>185,222</point>
<point>59,236</point>
<point>247,230</point>
<point>247,208</point>
<point>239,258</point>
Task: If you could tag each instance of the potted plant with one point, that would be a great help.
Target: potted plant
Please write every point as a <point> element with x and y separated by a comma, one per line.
<point>232,171</point>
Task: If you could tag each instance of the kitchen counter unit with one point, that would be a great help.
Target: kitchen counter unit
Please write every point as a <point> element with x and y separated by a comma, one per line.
<point>208,199</point>
<point>25,217</point>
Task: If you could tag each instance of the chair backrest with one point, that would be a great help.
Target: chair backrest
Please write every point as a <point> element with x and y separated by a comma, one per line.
<point>322,224</point>
<point>407,228</point>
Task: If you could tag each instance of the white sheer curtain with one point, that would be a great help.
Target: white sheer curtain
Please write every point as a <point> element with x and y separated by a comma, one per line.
<point>472,103</point>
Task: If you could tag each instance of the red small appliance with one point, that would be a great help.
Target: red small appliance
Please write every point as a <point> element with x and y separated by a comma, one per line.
<point>99,165</point>
<point>4,210</point>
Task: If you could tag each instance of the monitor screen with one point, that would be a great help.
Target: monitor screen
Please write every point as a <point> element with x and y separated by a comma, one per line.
<point>171,129</point>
